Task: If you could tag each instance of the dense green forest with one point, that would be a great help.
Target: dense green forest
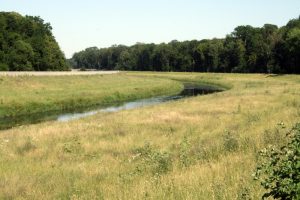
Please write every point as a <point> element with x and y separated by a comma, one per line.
<point>268,49</point>
<point>26,43</point>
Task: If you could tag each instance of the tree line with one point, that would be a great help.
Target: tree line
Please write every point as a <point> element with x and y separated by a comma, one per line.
<point>268,49</point>
<point>27,43</point>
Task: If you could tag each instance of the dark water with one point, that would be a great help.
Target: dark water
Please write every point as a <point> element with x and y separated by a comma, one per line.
<point>189,91</point>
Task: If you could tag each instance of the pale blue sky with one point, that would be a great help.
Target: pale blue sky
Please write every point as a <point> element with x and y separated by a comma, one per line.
<point>102,23</point>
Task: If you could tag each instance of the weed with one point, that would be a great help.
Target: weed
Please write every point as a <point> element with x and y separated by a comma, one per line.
<point>253,117</point>
<point>27,146</point>
<point>230,142</point>
<point>73,146</point>
<point>184,157</point>
<point>243,191</point>
<point>294,103</point>
<point>218,190</point>
<point>239,109</point>
<point>273,137</point>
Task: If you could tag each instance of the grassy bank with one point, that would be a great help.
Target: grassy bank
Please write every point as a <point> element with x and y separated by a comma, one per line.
<point>31,94</point>
<point>202,147</point>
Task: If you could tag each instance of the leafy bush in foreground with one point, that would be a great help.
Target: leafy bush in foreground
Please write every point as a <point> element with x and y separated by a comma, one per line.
<point>279,170</point>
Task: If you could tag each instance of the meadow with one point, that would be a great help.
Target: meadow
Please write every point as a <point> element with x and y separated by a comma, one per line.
<point>203,147</point>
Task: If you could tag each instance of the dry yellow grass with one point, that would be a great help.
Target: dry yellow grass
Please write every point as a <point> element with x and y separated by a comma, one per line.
<point>203,147</point>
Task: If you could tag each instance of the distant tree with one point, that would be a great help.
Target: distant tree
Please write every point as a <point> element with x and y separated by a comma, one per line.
<point>286,50</point>
<point>126,61</point>
<point>161,58</point>
<point>270,39</point>
<point>91,58</point>
<point>247,49</point>
<point>293,48</point>
<point>207,55</point>
<point>106,61</point>
<point>4,67</point>
<point>144,53</point>
<point>234,55</point>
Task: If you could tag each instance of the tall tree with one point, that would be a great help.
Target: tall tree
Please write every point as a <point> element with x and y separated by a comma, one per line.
<point>27,43</point>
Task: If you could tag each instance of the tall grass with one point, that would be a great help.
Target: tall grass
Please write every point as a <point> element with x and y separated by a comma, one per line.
<point>202,147</point>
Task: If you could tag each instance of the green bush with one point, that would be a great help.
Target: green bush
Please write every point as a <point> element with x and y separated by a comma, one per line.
<point>154,160</point>
<point>279,169</point>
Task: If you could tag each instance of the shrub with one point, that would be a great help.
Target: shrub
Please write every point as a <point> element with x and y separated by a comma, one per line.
<point>156,161</point>
<point>279,169</point>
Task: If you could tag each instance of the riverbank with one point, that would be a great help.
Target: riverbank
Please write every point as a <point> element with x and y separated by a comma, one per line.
<point>190,90</point>
<point>23,95</point>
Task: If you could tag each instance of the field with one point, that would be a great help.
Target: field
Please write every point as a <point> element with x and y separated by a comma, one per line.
<point>201,147</point>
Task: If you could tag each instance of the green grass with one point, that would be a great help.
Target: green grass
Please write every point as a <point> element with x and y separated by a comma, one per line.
<point>201,147</point>
<point>30,94</point>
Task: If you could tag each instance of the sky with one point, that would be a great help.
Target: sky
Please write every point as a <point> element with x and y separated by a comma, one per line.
<point>102,23</point>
